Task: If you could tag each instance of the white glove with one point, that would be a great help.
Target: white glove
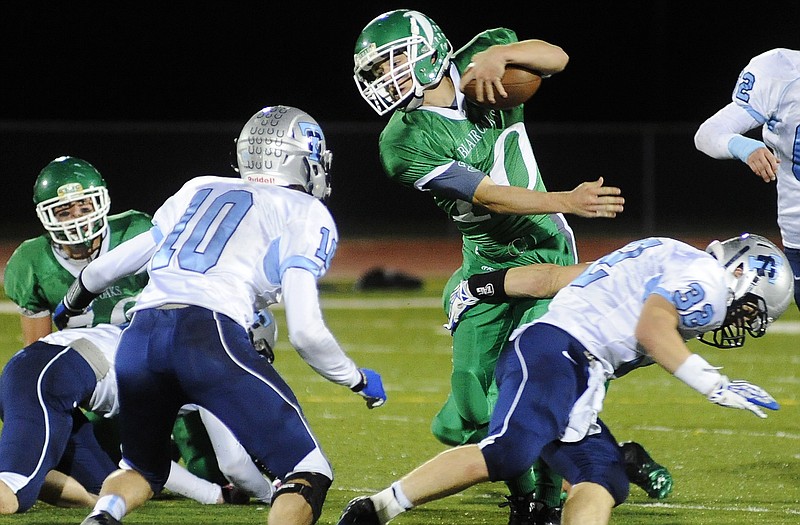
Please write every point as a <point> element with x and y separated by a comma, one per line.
<point>743,395</point>
<point>461,300</point>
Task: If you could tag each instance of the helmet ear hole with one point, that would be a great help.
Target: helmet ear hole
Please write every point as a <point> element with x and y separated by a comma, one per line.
<point>310,172</point>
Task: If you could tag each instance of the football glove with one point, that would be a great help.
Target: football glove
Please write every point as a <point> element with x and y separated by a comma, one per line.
<point>74,303</point>
<point>371,388</point>
<point>743,395</point>
<point>62,315</point>
<point>263,333</point>
<point>461,300</point>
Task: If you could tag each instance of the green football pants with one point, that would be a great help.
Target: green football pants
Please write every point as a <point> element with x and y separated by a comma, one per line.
<point>481,334</point>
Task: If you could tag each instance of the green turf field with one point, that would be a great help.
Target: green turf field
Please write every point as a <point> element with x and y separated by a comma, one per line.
<point>729,466</point>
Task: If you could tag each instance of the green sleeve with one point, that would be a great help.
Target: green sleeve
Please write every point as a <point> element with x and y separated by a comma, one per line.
<point>490,37</point>
<point>409,150</point>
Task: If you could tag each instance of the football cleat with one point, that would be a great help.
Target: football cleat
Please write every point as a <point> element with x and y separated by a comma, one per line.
<point>644,472</point>
<point>234,495</point>
<point>545,515</point>
<point>525,510</point>
<point>360,511</point>
<point>100,517</point>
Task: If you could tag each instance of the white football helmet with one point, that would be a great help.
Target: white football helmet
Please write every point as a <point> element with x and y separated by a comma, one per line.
<point>761,287</point>
<point>284,146</point>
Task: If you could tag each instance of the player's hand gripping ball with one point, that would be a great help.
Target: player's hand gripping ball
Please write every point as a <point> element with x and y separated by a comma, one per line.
<point>520,85</point>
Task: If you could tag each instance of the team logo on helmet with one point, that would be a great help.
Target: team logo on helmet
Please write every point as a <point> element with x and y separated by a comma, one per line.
<point>69,189</point>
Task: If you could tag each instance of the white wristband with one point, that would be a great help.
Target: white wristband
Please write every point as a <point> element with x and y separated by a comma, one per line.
<point>698,374</point>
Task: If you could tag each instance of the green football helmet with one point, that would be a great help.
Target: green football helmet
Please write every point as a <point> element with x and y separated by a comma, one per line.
<point>62,182</point>
<point>400,32</point>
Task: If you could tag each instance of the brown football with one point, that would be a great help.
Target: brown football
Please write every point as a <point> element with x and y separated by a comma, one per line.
<point>519,83</point>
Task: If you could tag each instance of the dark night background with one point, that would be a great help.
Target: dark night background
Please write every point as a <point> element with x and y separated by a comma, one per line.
<point>154,93</point>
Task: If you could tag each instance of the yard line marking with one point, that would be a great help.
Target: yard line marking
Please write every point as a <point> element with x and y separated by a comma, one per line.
<point>725,432</point>
<point>746,508</point>
<point>393,303</point>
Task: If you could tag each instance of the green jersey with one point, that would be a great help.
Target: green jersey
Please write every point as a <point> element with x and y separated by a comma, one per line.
<point>36,279</point>
<point>418,146</point>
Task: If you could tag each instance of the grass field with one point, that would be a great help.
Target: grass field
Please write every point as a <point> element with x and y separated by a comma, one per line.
<point>729,466</point>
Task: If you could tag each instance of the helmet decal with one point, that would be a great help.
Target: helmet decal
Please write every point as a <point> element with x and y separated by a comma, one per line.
<point>69,188</point>
<point>422,22</point>
<point>766,266</point>
<point>313,133</point>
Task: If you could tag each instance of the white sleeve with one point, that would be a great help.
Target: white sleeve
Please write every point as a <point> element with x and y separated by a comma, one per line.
<point>715,134</point>
<point>126,259</point>
<point>308,333</point>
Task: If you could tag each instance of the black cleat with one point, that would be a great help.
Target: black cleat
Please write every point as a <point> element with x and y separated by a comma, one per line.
<point>360,511</point>
<point>644,472</point>
<point>525,510</point>
<point>234,495</point>
<point>544,515</point>
<point>521,508</point>
<point>100,517</point>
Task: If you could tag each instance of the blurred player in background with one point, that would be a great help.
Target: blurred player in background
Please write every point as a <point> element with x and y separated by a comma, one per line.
<point>479,166</point>
<point>73,204</point>
<point>767,94</point>
<point>219,249</point>
<point>634,307</point>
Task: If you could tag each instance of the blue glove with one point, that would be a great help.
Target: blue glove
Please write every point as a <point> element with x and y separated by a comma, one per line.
<point>62,315</point>
<point>371,388</point>
<point>743,395</point>
<point>76,302</point>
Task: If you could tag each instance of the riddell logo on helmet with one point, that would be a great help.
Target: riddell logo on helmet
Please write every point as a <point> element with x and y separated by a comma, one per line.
<point>260,178</point>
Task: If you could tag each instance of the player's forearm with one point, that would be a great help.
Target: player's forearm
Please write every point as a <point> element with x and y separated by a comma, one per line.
<point>308,333</point>
<point>714,136</point>
<point>537,55</point>
<point>540,280</point>
<point>126,259</point>
<point>657,332</point>
<point>534,281</point>
<point>34,328</point>
<point>512,200</point>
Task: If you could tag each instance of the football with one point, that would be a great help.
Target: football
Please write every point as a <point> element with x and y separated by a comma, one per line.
<point>519,83</point>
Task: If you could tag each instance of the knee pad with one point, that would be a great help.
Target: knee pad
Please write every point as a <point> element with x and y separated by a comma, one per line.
<point>314,490</point>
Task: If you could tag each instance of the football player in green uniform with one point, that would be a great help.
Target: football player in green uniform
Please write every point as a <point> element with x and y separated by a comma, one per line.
<point>479,166</point>
<point>73,204</point>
